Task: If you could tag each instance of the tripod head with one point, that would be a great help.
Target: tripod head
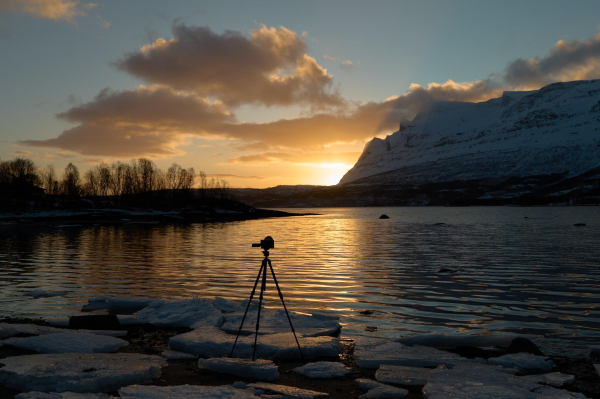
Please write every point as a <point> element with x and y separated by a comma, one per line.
<point>265,244</point>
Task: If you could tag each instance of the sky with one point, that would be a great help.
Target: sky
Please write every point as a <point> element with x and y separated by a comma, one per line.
<point>264,93</point>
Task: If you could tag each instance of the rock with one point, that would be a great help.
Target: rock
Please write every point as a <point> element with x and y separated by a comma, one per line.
<point>212,342</point>
<point>471,352</point>
<point>579,224</point>
<point>443,341</point>
<point>402,375</point>
<point>377,390</point>
<point>289,392</point>
<point>191,313</point>
<point>260,369</point>
<point>323,370</point>
<point>44,294</point>
<point>184,391</point>
<point>61,395</point>
<point>523,345</point>
<point>524,362</point>
<point>444,270</point>
<point>595,350</point>
<point>95,322</point>
<point>79,372</point>
<point>553,379</point>
<point>239,385</point>
<point>68,343</point>
<point>384,216</point>
<point>275,322</point>
<point>176,355</point>
<point>373,352</point>
<point>486,382</point>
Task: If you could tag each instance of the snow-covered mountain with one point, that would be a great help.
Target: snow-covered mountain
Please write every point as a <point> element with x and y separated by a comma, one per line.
<point>554,130</point>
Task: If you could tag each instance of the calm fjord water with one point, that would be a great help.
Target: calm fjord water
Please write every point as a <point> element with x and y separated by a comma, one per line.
<point>538,275</point>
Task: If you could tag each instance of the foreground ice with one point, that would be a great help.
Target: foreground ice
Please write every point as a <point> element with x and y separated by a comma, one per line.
<point>323,370</point>
<point>44,294</point>
<point>377,390</point>
<point>275,321</point>
<point>9,330</point>
<point>212,342</point>
<point>483,382</point>
<point>191,313</point>
<point>184,391</point>
<point>61,395</point>
<point>373,352</point>
<point>79,372</point>
<point>402,375</point>
<point>525,362</point>
<point>289,392</point>
<point>443,341</point>
<point>118,304</point>
<point>67,343</point>
<point>597,367</point>
<point>176,355</point>
<point>260,369</point>
<point>553,379</point>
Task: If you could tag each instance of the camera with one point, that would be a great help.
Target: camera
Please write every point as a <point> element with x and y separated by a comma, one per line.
<point>266,244</point>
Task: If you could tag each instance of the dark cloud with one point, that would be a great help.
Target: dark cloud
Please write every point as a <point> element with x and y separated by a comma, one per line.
<point>270,67</point>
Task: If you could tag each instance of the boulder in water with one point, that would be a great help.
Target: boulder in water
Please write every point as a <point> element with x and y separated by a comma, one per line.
<point>384,216</point>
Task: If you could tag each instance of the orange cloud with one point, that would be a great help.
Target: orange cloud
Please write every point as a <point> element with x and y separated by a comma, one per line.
<point>348,158</point>
<point>56,10</point>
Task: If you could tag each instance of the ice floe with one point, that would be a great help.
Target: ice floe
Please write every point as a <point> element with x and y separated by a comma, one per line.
<point>323,370</point>
<point>553,379</point>
<point>9,330</point>
<point>118,304</point>
<point>260,369</point>
<point>176,355</point>
<point>402,375</point>
<point>377,390</point>
<point>184,391</point>
<point>67,343</point>
<point>373,352</point>
<point>44,294</point>
<point>275,321</point>
<point>443,341</point>
<point>61,395</point>
<point>191,313</point>
<point>79,372</point>
<point>484,382</point>
<point>289,392</point>
<point>525,362</point>
<point>213,342</point>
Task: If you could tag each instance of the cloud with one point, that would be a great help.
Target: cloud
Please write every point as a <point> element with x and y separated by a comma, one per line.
<point>23,153</point>
<point>577,60</point>
<point>270,67</point>
<point>344,64</point>
<point>348,158</point>
<point>145,121</point>
<point>102,23</point>
<point>236,176</point>
<point>56,10</point>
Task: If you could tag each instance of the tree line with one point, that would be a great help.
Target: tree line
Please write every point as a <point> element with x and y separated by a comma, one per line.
<point>138,176</point>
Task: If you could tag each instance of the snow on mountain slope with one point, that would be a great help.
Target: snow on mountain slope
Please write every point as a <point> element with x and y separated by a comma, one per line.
<point>552,130</point>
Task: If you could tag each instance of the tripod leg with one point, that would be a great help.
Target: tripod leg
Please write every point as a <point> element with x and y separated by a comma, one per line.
<point>248,307</point>
<point>284,307</point>
<point>262,291</point>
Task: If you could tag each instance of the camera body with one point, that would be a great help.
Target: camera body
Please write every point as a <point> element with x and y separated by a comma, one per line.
<point>266,244</point>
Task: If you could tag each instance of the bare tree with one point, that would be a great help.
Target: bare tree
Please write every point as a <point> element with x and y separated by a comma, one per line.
<point>118,177</point>
<point>172,177</point>
<point>71,182</point>
<point>105,180</point>
<point>49,182</point>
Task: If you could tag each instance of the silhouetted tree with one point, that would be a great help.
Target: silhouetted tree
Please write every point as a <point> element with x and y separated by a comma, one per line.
<point>71,182</point>
<point>49,182</point>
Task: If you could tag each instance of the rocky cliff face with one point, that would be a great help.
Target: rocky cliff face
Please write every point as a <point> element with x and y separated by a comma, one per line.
<point>554,130</point>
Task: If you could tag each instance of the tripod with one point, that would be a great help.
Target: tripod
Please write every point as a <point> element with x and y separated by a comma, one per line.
<point>263,270</point>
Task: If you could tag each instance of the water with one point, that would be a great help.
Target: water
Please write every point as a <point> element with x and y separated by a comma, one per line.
<point>538,275</point>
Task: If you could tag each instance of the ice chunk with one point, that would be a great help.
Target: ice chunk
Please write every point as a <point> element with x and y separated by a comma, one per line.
<point>79,372</point>
<point>289,392</point>
<point>176,355</point>
<point>190,313</point>
<point>377,390</point>
<point>402,375</point>
<point>276,321</point>
<point>61,321</point>
<point>552,379</point>
<point>443,341</point>
<point>10,330</point>
<point>68,343</point>
<point>525,362</point>
<point>597,367</point>
<point>260,369</point>
<point>184,391</point>
<point>44,294</point>
<point>61,395</point>
<point>323,370</point>
<point>212,342</point>
<point>229,306</point>
<point>127,320</point>
<point>118,304</point>
<point>239,385</point>
<point>373,352</point>
<point>552,393</point>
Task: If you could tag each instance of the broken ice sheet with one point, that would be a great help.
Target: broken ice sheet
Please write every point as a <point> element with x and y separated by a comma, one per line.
<point>525,362</point>
<point>553,379</point>
<point>260,369</point>
<point>184,391</point>
<point>176,355</point>
<point>9,330</point>
<point>191,313</point>
<point>67,343</point>
<point>288,391</point>
<point>378,390</point>
<point>402,375</point>
<point>323,370</point>
<point>79,372</point>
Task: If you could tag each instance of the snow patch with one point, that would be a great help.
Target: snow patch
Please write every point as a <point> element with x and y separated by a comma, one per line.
<point>323,370</point>
<point>260,369</point>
